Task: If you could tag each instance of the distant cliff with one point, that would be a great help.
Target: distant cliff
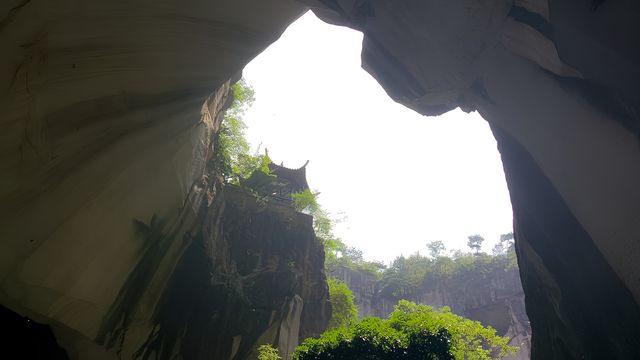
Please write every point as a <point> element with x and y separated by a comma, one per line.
<point>487,291</point>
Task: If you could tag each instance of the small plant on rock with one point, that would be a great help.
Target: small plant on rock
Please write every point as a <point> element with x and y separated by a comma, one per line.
<point>268,352</point>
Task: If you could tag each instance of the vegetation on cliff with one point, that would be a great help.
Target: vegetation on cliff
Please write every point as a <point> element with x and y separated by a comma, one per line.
<point>307,201</point>
<point>231,142</point>
<point>343,311</point>
<point>411,332</point>
<point>407,276</point>
<point>233,155</point>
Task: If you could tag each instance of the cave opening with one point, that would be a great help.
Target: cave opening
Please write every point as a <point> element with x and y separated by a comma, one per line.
<point>313,101</point>
<point>393,180</point>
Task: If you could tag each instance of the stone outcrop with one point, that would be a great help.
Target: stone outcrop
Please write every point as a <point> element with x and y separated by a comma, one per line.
<point>103,123</point>
<point>495,299</point>
<point>255,277</point>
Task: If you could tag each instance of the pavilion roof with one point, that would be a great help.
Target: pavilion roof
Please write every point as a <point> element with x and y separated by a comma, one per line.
<point>296,178</point>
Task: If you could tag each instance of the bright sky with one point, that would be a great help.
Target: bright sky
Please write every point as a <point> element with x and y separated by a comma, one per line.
<point>400,178</point>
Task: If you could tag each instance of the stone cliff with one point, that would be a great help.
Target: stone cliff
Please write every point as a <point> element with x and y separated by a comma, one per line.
<point>494,298</point>
<point>103,122</point>
<point>254,277</point>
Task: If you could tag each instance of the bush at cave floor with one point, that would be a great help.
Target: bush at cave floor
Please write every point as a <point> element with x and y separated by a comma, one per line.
<point>411,332</point>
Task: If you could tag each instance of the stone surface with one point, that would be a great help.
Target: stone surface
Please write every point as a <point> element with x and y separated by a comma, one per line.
<point>108,111</point>
<point>604,324</point>
<point>254,276</point>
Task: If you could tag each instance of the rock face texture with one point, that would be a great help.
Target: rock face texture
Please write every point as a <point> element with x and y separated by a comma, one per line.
<point>104,145</point>
<point>107,117</point>
<point>494,299</point>
<point>255,277</point>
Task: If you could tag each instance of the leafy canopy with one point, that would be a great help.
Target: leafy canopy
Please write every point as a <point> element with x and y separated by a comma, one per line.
<point>505,245</point>
<point>307,202</point>
<point>411,332</point>
<point>475,243</point>
<point>268,352</point>
<point>408,276</point>
<point>235,161</point>
<point>436,248</point>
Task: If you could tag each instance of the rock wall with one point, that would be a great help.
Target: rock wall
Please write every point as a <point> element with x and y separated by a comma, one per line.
<point>495,299</point>
<point>255,277</point>
<point>108,114</point>
<point>103,123</point>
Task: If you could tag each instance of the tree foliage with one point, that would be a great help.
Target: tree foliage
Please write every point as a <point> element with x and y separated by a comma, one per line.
<point>307,202</point>
<point>246,165</point>
<point>268,352</point>
<point>411,332</point>
<point>506,237</point>
<point>505,245</point>
<point>475,243</point>
<point>469,339</point>
<point>407,276</point>
<point>339,255</point>
<point>343,311</point>
<point>235,160</point>
<point>436,248</point>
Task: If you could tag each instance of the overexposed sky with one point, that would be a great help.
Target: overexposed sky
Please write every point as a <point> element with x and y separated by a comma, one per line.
<point>400,179</point>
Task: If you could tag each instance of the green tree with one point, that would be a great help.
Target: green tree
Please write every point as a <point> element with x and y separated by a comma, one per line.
<point>307,201</point>
<point>268,352</point>
<point>508,241</point>
<point>436,248</point>
<point>504,245</point>
<point>411,332</point>
<point>405,276</point>
<point>232,146</point>
<point>506,237</point>
<point>342,256</point>
<point>343,311</point>
<point>456,253</point>
<point>475,243</point>
<point>498,249</point>
<point>469,339</point>
<point>246,164</point>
